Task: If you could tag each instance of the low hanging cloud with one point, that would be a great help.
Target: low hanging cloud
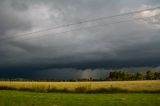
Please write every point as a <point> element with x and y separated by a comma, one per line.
<point>70,73</point>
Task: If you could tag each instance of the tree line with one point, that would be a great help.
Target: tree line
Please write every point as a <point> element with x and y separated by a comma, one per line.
<point>125,75</point>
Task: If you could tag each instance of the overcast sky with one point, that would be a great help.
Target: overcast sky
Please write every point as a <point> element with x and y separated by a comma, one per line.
<point>116,46</point>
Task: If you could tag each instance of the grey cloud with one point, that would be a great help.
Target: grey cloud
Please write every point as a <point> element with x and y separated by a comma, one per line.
<point>103,47</point>
<point>19,5</point>
<point>11,19</point>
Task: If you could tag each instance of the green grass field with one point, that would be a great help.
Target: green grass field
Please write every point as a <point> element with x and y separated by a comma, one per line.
<point>21,98</point>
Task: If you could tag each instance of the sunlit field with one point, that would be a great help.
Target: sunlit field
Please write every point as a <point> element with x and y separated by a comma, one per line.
<point>107,93</point>
<point>150,86</point>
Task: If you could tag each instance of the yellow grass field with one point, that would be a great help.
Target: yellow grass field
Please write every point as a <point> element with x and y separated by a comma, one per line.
<point>132,86</point>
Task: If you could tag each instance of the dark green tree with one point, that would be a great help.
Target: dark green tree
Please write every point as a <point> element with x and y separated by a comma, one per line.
<point>150,75</point>
<point>139,76</point>
<point>157,75</point>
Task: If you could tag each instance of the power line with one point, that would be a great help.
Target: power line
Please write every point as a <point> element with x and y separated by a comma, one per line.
<point>101,25</point>
<point>80,22</point>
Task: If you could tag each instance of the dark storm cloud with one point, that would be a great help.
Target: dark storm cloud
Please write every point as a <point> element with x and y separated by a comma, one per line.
<point>68,73</point>
<point>132,44</point>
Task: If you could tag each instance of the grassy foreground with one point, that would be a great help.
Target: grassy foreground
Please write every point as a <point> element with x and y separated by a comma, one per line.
<point>149,86</point>
<point>20,98</point>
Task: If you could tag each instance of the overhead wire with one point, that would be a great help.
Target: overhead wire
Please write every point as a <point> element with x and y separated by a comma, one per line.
<point>101,25</point>
<point>81,22</point>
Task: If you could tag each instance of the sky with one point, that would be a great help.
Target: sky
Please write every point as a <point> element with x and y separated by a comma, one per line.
<point>91,49</point>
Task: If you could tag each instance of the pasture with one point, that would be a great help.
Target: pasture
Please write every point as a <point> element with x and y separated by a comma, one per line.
<point>149,86</point>
<point>21,98</point>
<point>105,93</point>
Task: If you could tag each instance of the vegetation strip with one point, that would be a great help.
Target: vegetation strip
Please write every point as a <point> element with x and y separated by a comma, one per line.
<point>85,87</point>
